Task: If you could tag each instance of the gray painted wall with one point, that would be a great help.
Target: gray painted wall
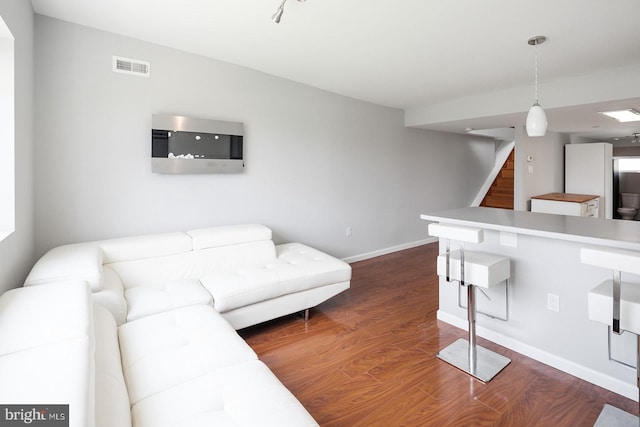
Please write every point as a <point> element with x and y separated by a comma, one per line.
<point>17,250</point>
<point>316,162</point>
<point>547,166</point>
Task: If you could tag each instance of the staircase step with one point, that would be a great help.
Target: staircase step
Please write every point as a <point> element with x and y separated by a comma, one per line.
<point>504,182</point>
<point>500,195</point>
<point>506,173</point>
<point>498,202</point>
<point>495,191</point>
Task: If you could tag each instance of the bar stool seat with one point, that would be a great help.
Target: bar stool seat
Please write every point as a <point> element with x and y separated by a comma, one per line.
<point>616,304</point>
<point>600,300</point>
<point>481,269</point>
<point>471,269</point>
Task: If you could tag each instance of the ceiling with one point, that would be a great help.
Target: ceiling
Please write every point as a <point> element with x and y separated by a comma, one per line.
<point>404,53</point>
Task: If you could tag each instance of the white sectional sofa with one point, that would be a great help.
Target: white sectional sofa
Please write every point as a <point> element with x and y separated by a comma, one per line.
<point>140,331</point>
<point>184,367</point>
<point>250,279</point>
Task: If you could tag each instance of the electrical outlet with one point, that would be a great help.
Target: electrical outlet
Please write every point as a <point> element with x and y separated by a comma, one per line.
<point>553,302</point>
<point>348,232</point>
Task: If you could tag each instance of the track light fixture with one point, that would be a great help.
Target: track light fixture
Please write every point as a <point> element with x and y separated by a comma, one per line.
<point>536,119</point>
<point>278,15</point>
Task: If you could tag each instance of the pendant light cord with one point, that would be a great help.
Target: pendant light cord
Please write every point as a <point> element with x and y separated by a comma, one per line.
<point>535,55</point>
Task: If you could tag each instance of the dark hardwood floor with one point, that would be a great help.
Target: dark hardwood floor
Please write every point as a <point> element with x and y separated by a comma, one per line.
<point>367,358</point>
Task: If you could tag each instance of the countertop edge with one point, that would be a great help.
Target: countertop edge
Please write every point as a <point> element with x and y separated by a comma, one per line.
<point>589,240</point>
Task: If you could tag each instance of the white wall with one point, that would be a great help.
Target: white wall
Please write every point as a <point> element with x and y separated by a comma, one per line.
<point>316,162</point>
<point>544,173</point>
<point>16,251</point>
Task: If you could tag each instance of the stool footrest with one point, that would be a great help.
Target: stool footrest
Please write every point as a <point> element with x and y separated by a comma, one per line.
<point>488,363</point>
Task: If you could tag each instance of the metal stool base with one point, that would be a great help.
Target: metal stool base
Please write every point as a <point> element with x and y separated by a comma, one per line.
<point>610,416</point>
<point>488,363</point>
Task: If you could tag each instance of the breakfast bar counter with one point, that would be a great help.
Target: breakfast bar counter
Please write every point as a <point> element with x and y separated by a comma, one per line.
<point>590,231</point>
<point>544,250</point>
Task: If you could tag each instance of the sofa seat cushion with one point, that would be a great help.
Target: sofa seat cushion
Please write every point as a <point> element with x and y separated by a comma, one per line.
<point>167,349</point>
<point>245,394</point>
<point>298,268</point>
<point>153,299</point>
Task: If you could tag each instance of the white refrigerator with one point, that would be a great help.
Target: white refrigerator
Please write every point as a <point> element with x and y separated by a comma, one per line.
<point>588,169</point>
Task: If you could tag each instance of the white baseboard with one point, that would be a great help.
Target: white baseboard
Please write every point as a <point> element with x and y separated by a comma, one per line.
<point>390,250</point>
<point>610,383</point>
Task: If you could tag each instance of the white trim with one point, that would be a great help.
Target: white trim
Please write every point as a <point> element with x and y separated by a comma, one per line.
<point>608,382</point>
<point>389,250</point>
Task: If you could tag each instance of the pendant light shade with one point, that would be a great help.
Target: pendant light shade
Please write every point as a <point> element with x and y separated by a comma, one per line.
<point>536,119</point>
<point>278,15</point>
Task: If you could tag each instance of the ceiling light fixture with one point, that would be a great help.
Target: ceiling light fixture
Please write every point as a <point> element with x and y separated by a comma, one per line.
<point>278,15</point>
<point>636,138</point>
<point>536,119</point>
<point>623,116</point>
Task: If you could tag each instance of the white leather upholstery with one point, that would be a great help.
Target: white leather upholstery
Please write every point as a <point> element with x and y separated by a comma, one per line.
<point>297,268</point>
<point>244,394</point>
<point>111,399</point>
<point>147,300</point>
<point>112,295</point>
<point>175,360</point>
<point>253,314</point>
<point>600,302</point>
<point>141,247</point>
<point>193,265</point>
<point>47,349</point>
<point>240,265</point>
<point>69,262</point>
<point>162,351</point>
<point>230,235</point>
<point>480,268</point>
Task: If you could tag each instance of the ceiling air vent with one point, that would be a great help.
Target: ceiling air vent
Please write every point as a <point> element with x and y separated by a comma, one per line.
<point>131,66</point>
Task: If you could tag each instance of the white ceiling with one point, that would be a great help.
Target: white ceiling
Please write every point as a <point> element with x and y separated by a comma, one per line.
<point>403,53</point>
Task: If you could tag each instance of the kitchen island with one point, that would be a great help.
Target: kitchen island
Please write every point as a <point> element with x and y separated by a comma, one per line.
<point>545,266</point>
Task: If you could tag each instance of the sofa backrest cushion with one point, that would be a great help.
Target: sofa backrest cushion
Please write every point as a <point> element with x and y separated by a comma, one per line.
<point>143,247</point>
<point>194,264</point>
<point>68,263</point>
<point>214,237</point>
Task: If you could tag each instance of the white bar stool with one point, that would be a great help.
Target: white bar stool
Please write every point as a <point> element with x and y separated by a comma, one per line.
<point>472,269</point>
<point>614,302</point>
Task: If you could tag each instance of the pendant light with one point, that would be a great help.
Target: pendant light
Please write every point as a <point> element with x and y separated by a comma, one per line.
<point>536,119</point>
<point>278,15</point>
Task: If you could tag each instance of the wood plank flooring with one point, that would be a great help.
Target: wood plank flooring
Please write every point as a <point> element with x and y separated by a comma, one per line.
<point>367,358</point>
